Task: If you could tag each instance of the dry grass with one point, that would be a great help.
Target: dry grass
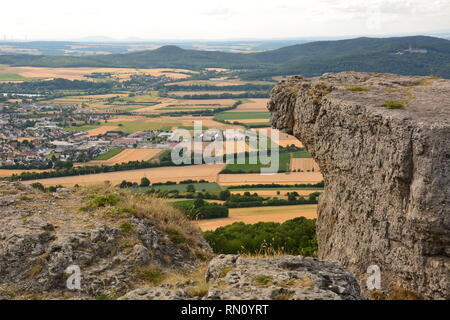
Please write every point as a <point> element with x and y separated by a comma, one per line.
<point>403,294</point>
<point>116,205</point>
<point>194,281</point>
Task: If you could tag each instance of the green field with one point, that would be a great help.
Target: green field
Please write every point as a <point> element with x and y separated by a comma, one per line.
<point>277,189</point>
<point>15,77</point>
<point>83,128</point>
<point>242,115</point>
<point>284,159</point>
<point>209,187</point>
<point>111,153</point>
<point>301,154</point>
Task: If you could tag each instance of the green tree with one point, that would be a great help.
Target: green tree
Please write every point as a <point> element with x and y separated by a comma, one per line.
<point>224,195</point>
<point>190,188</point>
<point>145,182</point>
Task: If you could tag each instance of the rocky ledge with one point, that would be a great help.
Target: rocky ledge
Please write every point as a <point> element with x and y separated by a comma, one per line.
<point>116,241</point>
<point>136,247</point>
<point>231,277</point>
<point>382,142</point>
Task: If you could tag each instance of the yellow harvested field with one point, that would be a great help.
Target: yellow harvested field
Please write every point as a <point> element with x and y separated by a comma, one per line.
<point>281,178</point>
<point>284,138</point>
<point>95,96</point>
<point>126,155</point>
<point>126,118</point>
<point>7,172</point>
<point>304,164</point>
<point>214,82</point>
<point>289,142</point>
<point>260,214</point>
<point>100,130</point>
<point>255,105</point>
<point>206,121</point>
<point>21,139</point>
<point>80,73</point>
<point>226,147</point>
<point>152,109</point>
<point>183,93</point>
<point>273,193</point>
<point>253,120</point>
<point>163,174</point>
<point>216,69</point>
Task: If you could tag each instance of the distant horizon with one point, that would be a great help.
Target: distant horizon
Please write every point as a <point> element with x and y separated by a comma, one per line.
<point>105,39</point>
<point>218,20</point>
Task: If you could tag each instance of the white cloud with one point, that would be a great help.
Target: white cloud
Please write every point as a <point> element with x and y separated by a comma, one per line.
<point>209,19</point>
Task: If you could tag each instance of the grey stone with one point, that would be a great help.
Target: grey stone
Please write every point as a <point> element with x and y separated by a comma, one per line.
<point>387,172</point>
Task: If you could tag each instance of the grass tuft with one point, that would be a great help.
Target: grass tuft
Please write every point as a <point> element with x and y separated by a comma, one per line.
<point>358,89</point>
<point>394,104</point>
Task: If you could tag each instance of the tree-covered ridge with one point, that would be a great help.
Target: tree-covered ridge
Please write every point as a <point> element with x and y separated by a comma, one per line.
<point>429,56</point>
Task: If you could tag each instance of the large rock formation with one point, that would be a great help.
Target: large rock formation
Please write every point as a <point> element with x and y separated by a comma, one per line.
<point>115,240</point>
<point>231,277</point>
<point>382,142</point>
<point>136,247</point>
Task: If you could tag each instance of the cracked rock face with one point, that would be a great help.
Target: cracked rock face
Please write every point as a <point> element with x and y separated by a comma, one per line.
<point>231,277</point>
<point>382,142</point>
<point>42,234</point>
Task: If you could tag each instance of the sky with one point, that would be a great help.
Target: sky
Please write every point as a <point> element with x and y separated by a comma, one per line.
<point>219,20</point>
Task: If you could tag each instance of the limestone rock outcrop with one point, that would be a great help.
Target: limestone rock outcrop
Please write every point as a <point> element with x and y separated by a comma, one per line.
<point>382,142</point>
<point>232,277</point>
<point>43,234</point>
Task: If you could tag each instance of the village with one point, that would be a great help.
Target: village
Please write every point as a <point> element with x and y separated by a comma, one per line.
<point>35,136</point>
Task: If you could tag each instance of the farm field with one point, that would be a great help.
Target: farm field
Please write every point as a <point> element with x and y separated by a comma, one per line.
<point>203,187</point>
<point>260,214</point>
<point>281,178</point>
<point>274,193</point>
<point>100,130</point>
<point>248,167</point>
<point>129,126</point>
<point>163,174</point>
<point>14,77</point>
<point>120,74</point>
<point>8,172</point>
<point>219,82</point>
<point>304,164</point>
<point>110,154</point>
<point>184,93</point>
<point>229,116</point>
<point>252,105</point>
<point>124,156</point>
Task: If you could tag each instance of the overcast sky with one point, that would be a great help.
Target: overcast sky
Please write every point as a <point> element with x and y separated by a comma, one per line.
<point>217,19</point>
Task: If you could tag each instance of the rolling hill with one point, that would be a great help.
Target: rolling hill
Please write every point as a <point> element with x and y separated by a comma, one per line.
<point>417,55</point>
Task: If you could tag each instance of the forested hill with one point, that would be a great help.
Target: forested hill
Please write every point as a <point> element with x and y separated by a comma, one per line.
<point>418,55</point>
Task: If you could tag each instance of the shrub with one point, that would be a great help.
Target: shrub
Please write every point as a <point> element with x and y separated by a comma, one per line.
<point>297,237</point>
<point>358,88</point>
<point>38,185</point>
<point>152,274</point>
<point>145,182</point>
<point>394,104</point>
<point>175,236</point>
<point>126,227</point>
<point>262,281</point>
